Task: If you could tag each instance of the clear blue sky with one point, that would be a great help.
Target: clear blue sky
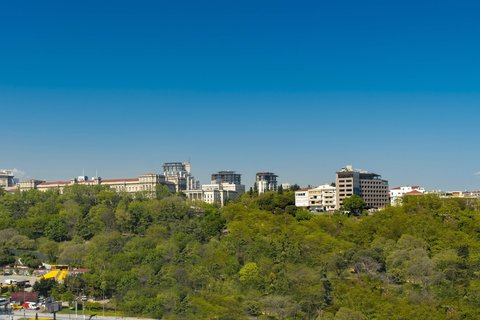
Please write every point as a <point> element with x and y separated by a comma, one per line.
<point>296,87</point>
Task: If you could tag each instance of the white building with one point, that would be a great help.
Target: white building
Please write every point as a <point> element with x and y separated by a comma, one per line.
<point>320,199</point>
<point>301,198</point>
<point>397,193</point>
<point>224,185</point>
<point>216,192</point>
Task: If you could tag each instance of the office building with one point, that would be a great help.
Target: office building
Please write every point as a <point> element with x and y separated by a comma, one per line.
<point>370,186</point>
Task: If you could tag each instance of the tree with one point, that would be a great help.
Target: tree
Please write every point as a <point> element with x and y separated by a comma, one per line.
<point>250,274</point>
<point>44,286</point>
<point>162,192</point>
<point>280,189</point>
<point>354,205</point>
<point>56,230</point>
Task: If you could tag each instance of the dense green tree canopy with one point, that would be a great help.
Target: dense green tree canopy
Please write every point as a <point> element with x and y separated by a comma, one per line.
<point>256,258</point>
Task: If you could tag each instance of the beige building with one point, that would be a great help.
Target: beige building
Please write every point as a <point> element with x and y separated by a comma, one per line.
<point>144,183</point>
<point>370,186</point>
<point>30,184</point>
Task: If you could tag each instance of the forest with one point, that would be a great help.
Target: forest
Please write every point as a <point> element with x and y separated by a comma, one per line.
<point>259,257</point>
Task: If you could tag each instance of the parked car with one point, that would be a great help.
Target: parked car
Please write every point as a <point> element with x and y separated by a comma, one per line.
<point>15,305</point>
<point>30,305</point>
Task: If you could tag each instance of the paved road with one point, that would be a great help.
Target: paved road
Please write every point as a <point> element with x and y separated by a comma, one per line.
<point>17,314</point>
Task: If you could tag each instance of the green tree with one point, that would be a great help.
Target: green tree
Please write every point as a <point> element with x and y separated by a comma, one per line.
<point>354,205</point>
<point>44,286</point>
<point>250,274</point>
<point>56,230</point>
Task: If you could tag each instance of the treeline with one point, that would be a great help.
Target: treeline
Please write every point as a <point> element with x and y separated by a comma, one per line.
<point>256,258</point>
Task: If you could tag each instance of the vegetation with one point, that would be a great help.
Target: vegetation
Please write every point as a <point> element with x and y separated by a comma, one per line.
<point>256,258</point>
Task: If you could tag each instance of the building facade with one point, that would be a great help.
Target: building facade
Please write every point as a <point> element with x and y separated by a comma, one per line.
<point>370,186</point>
<point>224,185</point>
<point>266,181</point>
<point>320,199</point>
<point>179,174</point>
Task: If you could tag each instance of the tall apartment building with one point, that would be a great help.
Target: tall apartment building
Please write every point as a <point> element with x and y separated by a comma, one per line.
<point>224,185</point>
<point>370,186</point>
<point>266,181</point>
<point>320,199</point>
<point>179,174</point>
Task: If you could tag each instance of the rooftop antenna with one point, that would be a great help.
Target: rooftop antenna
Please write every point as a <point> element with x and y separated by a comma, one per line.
<point>83,172</point>
<point>96,173</point>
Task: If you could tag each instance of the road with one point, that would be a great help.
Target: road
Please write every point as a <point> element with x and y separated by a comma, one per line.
<point>17,314</point>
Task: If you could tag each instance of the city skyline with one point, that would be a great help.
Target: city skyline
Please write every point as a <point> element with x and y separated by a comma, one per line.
<point>300,89</point>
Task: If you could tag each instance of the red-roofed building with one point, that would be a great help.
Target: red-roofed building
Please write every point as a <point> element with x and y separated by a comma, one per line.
<point>144,183</point>
<point>397,193</point>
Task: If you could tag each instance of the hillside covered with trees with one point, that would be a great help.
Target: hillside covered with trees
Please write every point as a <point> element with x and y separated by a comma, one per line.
<point>256,258</point>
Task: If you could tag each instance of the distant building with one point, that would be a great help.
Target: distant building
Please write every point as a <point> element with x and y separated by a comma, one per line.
<point>7,179</point>
<point>179,174</point>
<point>266,181</point>
<point>224,185</point>
<point>320,199</point>
<point>145,183</point>
<point>30,184</point>
<point>226,177</point>
<point>370,186</point>
<point>397,193</point>
<point>286,186</point>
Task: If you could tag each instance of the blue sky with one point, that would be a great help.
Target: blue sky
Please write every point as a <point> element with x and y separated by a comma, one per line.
<point>299,88</point>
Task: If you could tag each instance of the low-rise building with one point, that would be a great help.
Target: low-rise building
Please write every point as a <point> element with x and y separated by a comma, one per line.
<point>320,199</point>
<point>145,183</point>
<point>397,193</point>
